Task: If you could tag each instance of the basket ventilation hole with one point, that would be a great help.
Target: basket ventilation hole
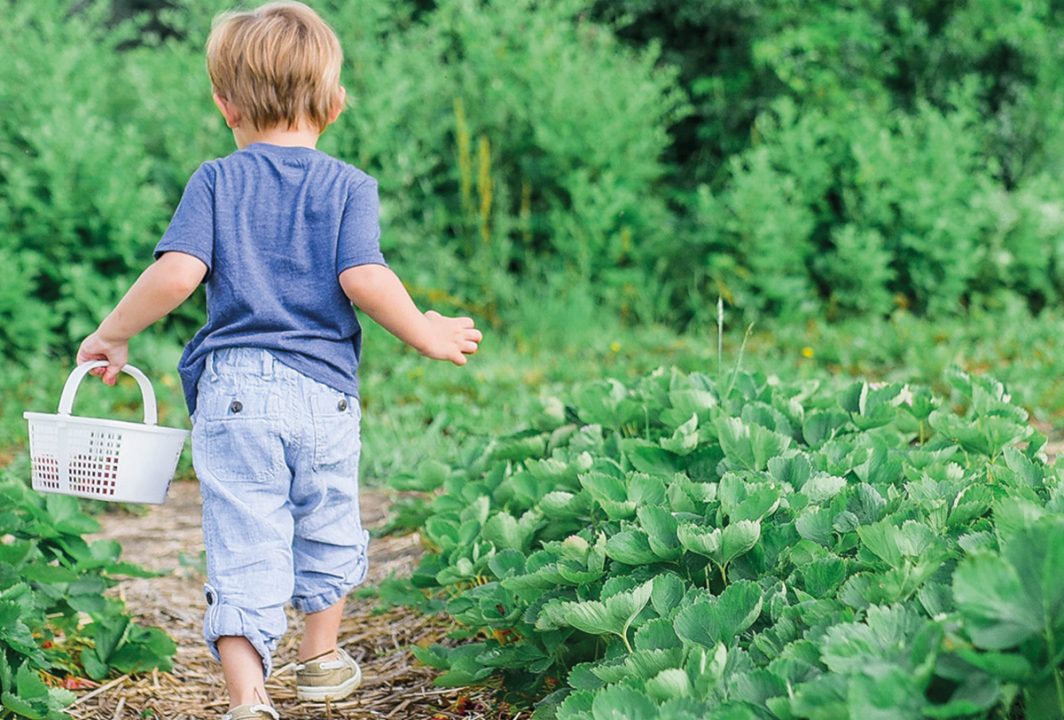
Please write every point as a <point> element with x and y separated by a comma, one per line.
<point>96,471</point>
<point>46,471</point>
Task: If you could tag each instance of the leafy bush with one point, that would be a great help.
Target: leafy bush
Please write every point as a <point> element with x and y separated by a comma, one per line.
<point>539,145</point>
<point>929,120</point>
<point>813,158</point>
<point>538,149</point>
<point>682,547</point>
<point>863,214</point>
<point>55,621</point>
<point>737,58</point>
<point>79,208</point>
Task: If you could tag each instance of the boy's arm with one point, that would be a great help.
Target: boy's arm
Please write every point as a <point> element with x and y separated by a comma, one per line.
<point>161,288</point>
<point>379,293</point>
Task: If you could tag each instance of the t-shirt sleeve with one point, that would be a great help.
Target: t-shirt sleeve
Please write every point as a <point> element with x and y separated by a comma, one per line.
<point>360,229</point>
<point>191,230</point>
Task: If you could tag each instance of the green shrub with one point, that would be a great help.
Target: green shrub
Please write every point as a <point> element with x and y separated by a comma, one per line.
<point>829,159</point>
<point>536,149</point>
<point>539,146</point>
<point>914,136</point>
<point>859,213</point>
<point>1024,250</point>
<point>78,204</point>
<point>920,187</point>
<point>736,58</point>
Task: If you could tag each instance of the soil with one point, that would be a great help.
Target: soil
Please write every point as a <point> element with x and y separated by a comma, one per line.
<point>167,538</point>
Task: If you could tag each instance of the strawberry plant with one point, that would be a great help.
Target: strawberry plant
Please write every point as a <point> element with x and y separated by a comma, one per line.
<point>55,620</point>
<point>682,547</point>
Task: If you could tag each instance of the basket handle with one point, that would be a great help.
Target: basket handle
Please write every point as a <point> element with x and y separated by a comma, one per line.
<point>66,401</point>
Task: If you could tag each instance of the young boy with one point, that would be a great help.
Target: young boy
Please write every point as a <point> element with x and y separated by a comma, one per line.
<point>285,238</point>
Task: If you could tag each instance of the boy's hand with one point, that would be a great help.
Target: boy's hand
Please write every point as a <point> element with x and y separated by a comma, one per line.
<point>116,353</point>
<point>451,338</point>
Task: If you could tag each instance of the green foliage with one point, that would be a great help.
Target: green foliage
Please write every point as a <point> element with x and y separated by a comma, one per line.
<point>54,615</point>
<point>796,159</point>
<point>486,176</point>
<point>736,58</point>
<point>491,154</point>
<point>75,201</point>
<point>755,548</point>
<point>872,210</point>
<point>851,158</point>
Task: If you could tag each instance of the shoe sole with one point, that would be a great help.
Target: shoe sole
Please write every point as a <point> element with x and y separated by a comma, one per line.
<point>330,692</point>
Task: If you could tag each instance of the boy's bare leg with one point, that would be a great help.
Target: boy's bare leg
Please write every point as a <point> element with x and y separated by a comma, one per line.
<point>321,632</point>
<point>242,668</point>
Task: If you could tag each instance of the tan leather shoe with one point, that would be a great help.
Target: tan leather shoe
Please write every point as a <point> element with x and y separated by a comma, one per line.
<point>318,680</point>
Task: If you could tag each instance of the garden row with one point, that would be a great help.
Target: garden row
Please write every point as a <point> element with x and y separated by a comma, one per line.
<point>741,547</point>
<point>59,631</point>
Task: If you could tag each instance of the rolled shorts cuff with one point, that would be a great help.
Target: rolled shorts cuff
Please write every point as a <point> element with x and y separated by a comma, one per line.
<point>323,601</point>
<point>331,594</point>
<point>223,620</point>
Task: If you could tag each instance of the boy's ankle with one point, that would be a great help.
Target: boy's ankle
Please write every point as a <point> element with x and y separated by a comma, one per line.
<point>326,656</point>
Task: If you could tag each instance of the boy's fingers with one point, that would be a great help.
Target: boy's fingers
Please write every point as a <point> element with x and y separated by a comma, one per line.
<point>465,322</point>
<point>111,374</point>
<point>469,347</point>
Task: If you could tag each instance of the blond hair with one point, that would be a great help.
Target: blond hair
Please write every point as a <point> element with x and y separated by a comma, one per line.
<point>279,63</point>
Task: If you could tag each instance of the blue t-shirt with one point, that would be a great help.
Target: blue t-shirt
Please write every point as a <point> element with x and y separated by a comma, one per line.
<point>275,227</point>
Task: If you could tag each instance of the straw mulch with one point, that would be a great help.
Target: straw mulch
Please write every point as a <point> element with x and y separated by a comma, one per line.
<point>395,685</point>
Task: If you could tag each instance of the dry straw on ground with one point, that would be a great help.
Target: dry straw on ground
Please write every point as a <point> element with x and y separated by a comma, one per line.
<point>395,685</point>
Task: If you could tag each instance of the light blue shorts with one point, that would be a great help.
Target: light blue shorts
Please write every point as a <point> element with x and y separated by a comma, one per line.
<point>276,454</point>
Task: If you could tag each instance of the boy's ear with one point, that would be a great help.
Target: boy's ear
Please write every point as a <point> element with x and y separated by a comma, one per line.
<point>229,111</point>
<point>339,105</point>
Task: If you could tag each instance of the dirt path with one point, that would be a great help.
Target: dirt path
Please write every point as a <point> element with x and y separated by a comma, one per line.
<point>167,538</point>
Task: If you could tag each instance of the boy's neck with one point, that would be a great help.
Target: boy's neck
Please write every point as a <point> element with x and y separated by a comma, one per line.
<point>301,136</point>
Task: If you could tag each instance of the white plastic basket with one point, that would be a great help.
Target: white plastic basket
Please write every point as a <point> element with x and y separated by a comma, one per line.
<point>104,459</point>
